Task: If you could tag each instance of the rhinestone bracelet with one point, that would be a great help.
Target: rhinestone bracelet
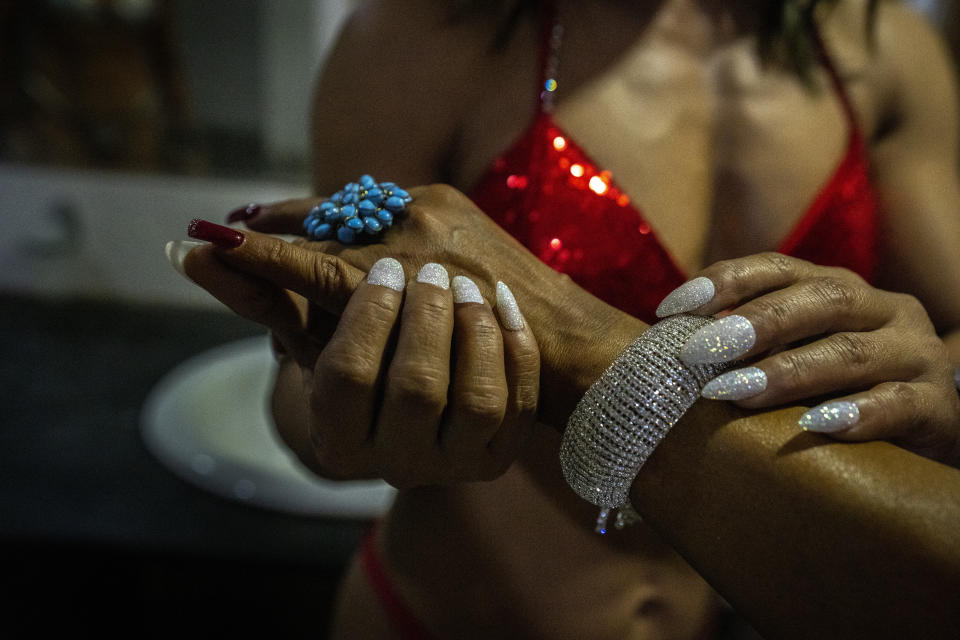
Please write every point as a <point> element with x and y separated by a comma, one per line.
<point>628,411</point>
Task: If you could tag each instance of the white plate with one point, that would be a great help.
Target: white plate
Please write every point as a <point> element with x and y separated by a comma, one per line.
<point>208,422</point>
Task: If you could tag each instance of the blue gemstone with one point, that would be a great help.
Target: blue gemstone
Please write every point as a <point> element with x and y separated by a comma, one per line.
<point>348,211</point>
<point>316,211</point>
<point>385,217</point>
<point>337,198</point>
<point>352,187</point>
<point>354,223</point>
<point>332,215</point>
<point>350,198</point>
<point>401,193</point>
<point>346,235</point>
<point>388,185</point>
<point>375,196</point>
<point>309,224</point>
<point>367,180</point>
<point>326,206</point>
<point>366,208</point>
<point>371,225</point>
<point>395,204</point>
<point>323,231</point>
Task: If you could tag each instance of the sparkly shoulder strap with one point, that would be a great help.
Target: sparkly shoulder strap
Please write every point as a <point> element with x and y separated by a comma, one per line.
<point>551,39</point>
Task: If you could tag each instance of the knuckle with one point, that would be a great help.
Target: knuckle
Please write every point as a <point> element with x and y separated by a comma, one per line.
<point>527,397</point>
<point>782,264</point>
<point>380,310</point>
<point>430,310</point>
<point>903,395</point>
<point>484,329</point>
<point>329,276</point>
<point>486,404</point>
<point>731,275</point>
<point>774,314</point>
<point>842,273</point>
<point>790,368</point>
<point>853,350</point>
<point>911,307</point>
<point>343,372</point>
<point>835,292</point>
<point>418,386</point>
<point>935,354</point>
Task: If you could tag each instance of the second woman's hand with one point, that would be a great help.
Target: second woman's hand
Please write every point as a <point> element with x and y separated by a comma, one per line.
<point>809,331</point>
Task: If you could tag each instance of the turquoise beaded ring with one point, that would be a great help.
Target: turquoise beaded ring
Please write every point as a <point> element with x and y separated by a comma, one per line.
<point>360,212</point>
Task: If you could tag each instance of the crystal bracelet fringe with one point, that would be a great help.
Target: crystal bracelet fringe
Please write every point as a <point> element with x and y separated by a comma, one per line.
<point>627,412</point>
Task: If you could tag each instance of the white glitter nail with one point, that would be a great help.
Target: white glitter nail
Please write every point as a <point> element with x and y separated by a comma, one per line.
<point>435,274</point>
<point>387,272</point>
<point>736,385</point>
<point>687,297</point>
<point>464,290</point>
<point>177,251</point>
<point>726,339</point>
<point>507,306</point>
<point>830,417</point>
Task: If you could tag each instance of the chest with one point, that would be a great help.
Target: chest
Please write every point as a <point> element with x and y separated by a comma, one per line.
<point>722,154</point>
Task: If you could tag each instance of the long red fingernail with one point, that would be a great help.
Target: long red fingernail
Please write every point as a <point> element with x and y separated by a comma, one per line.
<point>243,214</point>
<point>214,233</point>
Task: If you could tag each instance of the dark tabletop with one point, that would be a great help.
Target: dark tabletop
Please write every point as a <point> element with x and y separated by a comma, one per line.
<point>85,509</point>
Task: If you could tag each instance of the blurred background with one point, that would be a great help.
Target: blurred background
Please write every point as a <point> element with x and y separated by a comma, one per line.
<point>120,120</point>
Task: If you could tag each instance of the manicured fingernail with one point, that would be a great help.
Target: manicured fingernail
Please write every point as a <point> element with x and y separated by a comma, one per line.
<point>177,251</point>
<point>435,274</point>
<point>219,235</point>
<point>830,417</point>
<point>387,272</point>
<point>464,290</point>
<point>507,306</point>
<point>736,385</point>
<point>722,340</point>
<point>687,297</point>
<point>242,214</point>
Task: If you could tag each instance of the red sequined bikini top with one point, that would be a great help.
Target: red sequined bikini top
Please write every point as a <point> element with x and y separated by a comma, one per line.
<point>548,193</point>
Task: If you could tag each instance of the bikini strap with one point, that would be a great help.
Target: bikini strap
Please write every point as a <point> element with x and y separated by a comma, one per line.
<point>405,624</point>
<point>824,54</point>
<point>551,39</point>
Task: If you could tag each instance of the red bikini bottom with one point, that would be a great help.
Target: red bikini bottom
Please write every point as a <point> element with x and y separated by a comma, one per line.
<point>404,622</point>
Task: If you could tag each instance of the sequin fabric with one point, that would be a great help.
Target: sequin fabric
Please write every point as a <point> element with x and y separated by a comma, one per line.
<point>565,208</point>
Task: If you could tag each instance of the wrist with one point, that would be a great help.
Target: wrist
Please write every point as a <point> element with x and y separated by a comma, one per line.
<point>577,343</point>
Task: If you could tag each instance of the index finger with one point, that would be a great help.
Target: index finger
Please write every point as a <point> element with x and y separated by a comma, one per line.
<point>729,283</point>
<point>323,279</point>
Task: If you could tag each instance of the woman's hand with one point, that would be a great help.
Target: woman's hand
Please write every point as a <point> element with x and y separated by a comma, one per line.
<point>579,335</point>
<point>418,383</point>
<point>817,331</point>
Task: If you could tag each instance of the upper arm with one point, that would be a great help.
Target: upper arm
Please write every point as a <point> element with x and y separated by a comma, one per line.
<point>915,163</point>
<point>388,101</point>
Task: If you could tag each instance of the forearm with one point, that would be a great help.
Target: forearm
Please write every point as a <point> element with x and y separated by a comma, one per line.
<point>807,537</point>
